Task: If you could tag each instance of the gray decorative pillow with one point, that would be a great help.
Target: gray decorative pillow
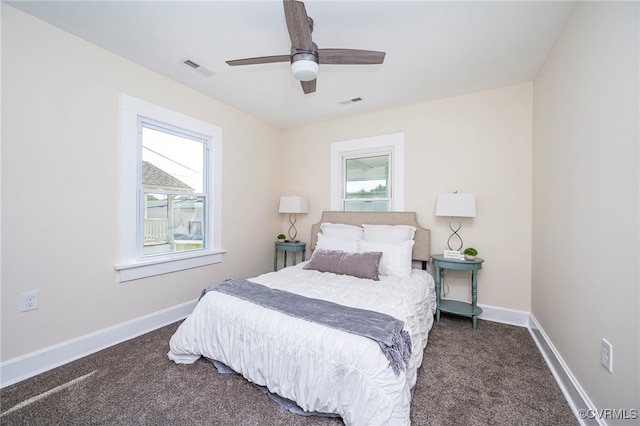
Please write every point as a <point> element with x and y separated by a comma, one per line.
<point>360,265</point>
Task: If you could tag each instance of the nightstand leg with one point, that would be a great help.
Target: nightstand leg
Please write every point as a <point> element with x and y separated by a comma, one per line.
<point>285,258</point>
<point>474,299</point>
<point>438,280</point>
<point>275,260</point>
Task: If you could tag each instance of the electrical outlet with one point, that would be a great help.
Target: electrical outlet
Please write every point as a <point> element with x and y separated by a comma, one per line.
<point>30,301</point>
<point>606,355</point>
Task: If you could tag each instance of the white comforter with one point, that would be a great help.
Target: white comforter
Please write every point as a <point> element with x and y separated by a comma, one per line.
<point>320,368</point>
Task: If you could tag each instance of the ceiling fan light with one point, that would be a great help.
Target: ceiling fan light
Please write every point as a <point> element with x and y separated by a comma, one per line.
<point>304,70</point>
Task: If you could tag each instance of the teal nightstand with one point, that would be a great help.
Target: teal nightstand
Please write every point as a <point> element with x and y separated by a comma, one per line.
<point>287,246</point>
<point>454,306</point>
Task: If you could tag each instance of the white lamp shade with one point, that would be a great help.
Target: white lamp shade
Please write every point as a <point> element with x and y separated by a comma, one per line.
<point>293,204</point>
<point>456,205</point>
<point>304,70</point>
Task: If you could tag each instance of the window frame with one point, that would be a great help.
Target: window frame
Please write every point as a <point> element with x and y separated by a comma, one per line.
<point>131,264</point>
<point>392,144</point>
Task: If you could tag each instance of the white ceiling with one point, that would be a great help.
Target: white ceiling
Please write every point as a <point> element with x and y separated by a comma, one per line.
<point>434,49</point>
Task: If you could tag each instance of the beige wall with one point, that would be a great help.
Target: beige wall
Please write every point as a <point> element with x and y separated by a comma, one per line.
<point>478,143</point>
<point>585,199</point>
<point>60,187</point>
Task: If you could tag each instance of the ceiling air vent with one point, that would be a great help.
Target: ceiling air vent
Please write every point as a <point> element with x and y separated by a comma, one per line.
<point>351,101</point>
<point>195,66</point>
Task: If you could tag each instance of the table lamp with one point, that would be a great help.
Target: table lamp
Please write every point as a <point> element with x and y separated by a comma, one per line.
<point>293,205</point>
<point>456,206</point>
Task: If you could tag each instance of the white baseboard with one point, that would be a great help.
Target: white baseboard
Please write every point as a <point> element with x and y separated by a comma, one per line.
<point>573,392</point>
<point>504,315</point>
<point>31,364</point>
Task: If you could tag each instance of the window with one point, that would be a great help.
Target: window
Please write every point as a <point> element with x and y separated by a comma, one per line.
<point>173,188</point>
<point>367,174</point>
<point>169,189</point>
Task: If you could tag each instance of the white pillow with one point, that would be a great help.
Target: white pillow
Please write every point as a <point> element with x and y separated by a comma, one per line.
<point>389,233</point>
<point>331,243</point>
<point>396,257</point>
<point>341,230</point>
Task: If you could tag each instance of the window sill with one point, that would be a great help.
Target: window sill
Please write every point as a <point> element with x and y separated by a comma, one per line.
<point>148,268</point>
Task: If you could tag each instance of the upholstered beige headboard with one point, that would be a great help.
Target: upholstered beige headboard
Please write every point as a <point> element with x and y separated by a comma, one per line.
<point>421,248</point>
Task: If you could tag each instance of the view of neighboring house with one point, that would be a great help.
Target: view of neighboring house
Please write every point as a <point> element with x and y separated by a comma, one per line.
<point>172,221</point>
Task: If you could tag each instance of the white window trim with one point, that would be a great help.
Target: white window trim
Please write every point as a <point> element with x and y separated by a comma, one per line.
<point>130,265</point>
<point>365,146</point>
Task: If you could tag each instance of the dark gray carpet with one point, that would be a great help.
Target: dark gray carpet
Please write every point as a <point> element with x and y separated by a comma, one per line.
<point>491,376</point>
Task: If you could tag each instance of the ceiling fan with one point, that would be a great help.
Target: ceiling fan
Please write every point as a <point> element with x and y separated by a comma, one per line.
<point>305,56</point>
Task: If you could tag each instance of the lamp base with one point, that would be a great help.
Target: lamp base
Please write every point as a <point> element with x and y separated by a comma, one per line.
<point>455,234</point>
<point>293,232</point>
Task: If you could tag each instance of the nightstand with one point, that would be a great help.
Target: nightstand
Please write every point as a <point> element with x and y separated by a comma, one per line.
<point>288,246</point>
<point>455,306</point>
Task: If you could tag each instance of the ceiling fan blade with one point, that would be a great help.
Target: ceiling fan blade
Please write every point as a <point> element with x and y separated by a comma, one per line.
<point>308,86</point>
<point>260,60</point>
<point>350,56</point>
<point>298,25</point>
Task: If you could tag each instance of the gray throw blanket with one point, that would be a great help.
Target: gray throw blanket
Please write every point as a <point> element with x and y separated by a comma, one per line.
<point>384,329</point>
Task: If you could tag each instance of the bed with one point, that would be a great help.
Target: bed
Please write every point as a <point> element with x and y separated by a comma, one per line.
<point>322,367</point>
